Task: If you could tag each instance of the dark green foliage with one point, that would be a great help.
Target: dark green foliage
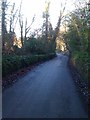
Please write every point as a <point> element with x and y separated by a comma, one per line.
<point>12,63</point>
<point>77,40</point>
<point>39,46</point>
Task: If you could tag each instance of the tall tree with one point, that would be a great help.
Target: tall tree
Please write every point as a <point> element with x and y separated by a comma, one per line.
<point>4,30</point>
<point>27,28</point>
<point>8,18</point>
<point>21,23</point>
<point>61,16</point>
<point>46,17</point>
<point>77,38</point>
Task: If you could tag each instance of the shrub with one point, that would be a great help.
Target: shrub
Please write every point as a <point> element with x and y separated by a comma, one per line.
<point>12,63</point>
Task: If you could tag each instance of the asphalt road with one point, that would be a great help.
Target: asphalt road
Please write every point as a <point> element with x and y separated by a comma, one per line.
<point>47,91</point>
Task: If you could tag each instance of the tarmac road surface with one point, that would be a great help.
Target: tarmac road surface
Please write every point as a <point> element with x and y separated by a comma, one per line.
<point>47,91</point>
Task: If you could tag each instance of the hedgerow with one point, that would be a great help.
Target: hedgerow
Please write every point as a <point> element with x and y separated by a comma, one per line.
<point>12,63</point>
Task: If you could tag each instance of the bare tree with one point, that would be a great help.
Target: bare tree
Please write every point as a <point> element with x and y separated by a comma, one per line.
<point>13,18</point>
<point>8,17</point>
<point>21,29</point>
<point>27,28</point>
<point>46,16</point>
<point>61,16</point>
<point>21,23</point>
<point>4,30</point>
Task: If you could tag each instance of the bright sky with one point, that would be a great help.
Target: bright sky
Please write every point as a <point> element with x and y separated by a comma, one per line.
<point>36,7</point>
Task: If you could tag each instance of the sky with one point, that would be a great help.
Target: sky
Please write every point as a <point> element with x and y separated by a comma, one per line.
<point>36,7</point>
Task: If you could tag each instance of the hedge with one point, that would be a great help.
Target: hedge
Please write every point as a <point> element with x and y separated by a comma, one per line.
<point>12,63</point>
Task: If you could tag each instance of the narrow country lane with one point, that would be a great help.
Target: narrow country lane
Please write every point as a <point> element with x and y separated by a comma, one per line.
<point>47,91</point>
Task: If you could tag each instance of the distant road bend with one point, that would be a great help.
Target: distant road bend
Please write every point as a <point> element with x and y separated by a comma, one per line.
<point>47,91</point>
